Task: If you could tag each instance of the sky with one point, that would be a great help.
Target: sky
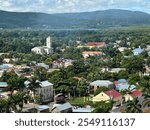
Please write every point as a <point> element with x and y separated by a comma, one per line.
<point>66,6</point>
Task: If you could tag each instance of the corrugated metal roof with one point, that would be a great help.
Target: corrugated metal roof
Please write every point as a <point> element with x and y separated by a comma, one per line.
<point>101,83</point>
<point>3,84</point>
<point>83,110</point>
<point>45,83</point>
<point>63,106</point>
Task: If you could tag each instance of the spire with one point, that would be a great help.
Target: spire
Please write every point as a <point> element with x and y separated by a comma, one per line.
<point>48,42</point>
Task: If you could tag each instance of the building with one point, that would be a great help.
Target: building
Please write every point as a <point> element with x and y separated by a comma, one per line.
<point>96,44</point>
<point>132,95</point>
<point>87,54</point>
<point>62,108</point>
<point>107,96</point>
<point>3,86</point>
<point>121,49</point>
<point>101,83</point>
<point>43,65</point>
<point>44,49</point>
<point>137,51</point>
<point>45,92</point>
<point>122,84</point>
<point>83,110</point>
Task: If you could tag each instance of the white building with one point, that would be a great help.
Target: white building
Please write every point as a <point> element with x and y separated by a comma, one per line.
<point>44,49</point>
<point>46,91</point>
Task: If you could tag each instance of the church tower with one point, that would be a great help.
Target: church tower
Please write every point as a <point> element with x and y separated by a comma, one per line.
<point>48,42</point>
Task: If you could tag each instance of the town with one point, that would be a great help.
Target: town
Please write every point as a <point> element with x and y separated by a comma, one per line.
<point>75,72</point>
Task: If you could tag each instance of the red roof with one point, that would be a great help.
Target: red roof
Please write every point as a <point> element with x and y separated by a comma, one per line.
<point>96,43</point>
<point>113,93</point>
<point>136,93</point>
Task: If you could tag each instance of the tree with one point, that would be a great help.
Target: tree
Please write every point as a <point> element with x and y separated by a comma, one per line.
<point>17,101</point>
<point>33,86</point>
<point>82,87</point>
<point>103,107</point>
<point>134,64</point>
<point>134,106</point>
<point>40,74</point>
<point>4,106</point>
<point>146,102</point>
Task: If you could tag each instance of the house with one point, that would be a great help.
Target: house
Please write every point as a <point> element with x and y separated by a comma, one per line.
<point>96,44</point>
<point>44,49</point>
<point>9,60</point>
<point>62,108</point>
<point>90,45</point>
<point>132,95</point>
<point>108,95</point>
<point>87,54</point>
<point>122,84</point>
<point>83,110</point>
<point>101,97</point>
<point>3,86</point>
<point>115,70</point>
<point>43,108</point>
<point>6,66</point>
<point>137,51</point>
<point>45,92</point>
<point>121,49</point>
<point>101,83</point>
<point>43,65</point>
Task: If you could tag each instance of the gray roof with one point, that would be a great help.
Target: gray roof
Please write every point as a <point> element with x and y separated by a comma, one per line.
<point>62,107</point>
<point>83,110</point>
<point>3,84</point>
<point>42,107</point>
<point>42,84</point>
<point>101,83</point>
<point>45,84</point>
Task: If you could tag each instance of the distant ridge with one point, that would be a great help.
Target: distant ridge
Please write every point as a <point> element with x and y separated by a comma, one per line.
<point>84,20</point>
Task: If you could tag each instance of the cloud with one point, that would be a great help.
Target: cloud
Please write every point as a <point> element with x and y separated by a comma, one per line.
<point>61,6</point>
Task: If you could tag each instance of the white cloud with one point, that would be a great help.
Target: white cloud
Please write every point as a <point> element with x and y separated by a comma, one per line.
<point>59,6</point>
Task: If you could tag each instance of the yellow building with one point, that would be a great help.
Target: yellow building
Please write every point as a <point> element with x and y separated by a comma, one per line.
<point>101,97</point>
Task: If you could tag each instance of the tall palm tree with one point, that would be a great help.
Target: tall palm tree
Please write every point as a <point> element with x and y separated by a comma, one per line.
<point>82,87</point>
<point>17,101</point>
<point>146,101</point>
<point>134,106</point>
<point>33,86</point>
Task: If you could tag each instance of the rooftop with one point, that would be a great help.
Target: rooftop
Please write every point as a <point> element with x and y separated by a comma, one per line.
<point>83,110</point>
<point>92,52</point>
<point>96,43</point>
<point>101,83</point>
<point>113,93</point>
<point>63,106</point>
<point>45,83</point>
<point>136,93</point>
<point>3,84</point>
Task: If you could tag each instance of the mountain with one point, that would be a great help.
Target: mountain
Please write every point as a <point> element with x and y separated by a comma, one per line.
<point>85,20</point>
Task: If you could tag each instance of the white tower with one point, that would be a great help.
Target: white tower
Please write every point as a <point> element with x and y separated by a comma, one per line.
<point>48,42</point>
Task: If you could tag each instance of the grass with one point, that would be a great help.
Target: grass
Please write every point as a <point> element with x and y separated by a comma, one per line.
<point>79,101</point>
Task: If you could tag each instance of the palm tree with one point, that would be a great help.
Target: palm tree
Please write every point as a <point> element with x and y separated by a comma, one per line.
<point>17,101</point>
<point>134,106</point>
<point>33,86</point>
<point>4,106</point>
<point>146,101</point>
<point>82,87</point>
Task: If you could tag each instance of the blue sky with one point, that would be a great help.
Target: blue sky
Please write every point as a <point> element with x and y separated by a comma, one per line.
<point>63,6</point>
